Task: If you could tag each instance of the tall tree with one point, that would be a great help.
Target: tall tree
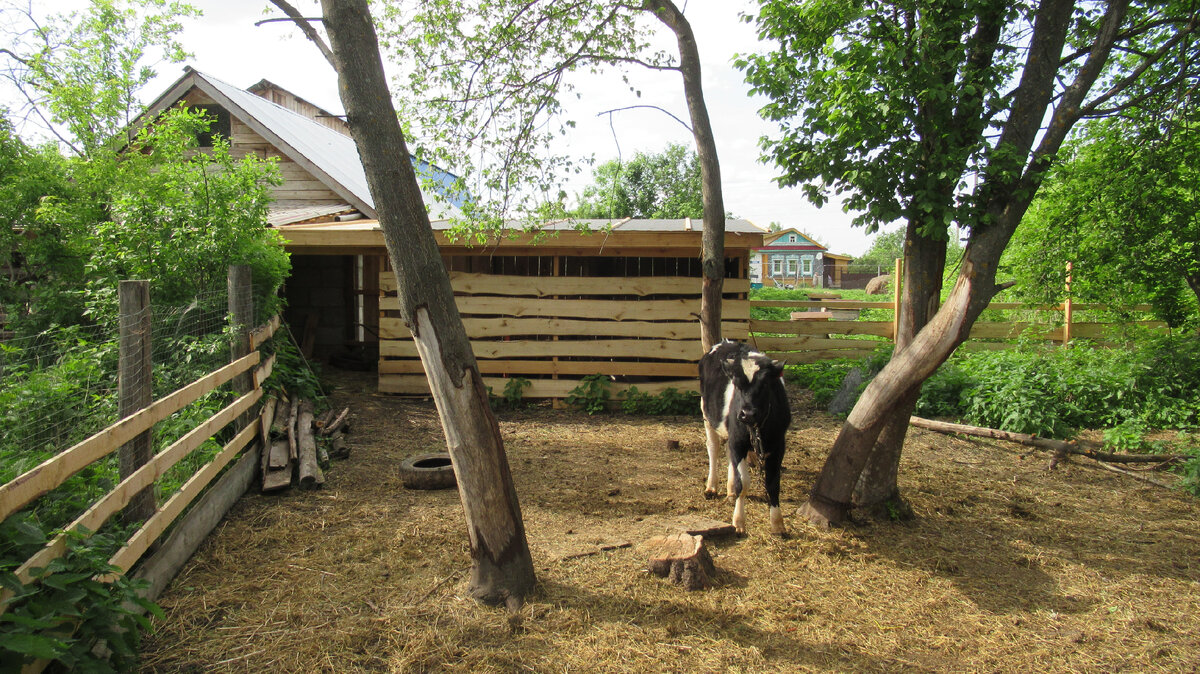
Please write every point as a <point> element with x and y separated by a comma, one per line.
<point>502,569</point>
<point>932,112</point>
<point>660,185</point>
<point>1131,235</point>
<point>484,85</point>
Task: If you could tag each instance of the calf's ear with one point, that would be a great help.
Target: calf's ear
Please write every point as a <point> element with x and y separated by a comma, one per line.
<point>777,368</point>
<point>728,365</point>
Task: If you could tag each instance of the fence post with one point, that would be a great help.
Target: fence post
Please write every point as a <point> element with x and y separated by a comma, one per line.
<point>134,388</point>
<point>241,312</point>
<point>896,299</point>
<point>1067,309</point>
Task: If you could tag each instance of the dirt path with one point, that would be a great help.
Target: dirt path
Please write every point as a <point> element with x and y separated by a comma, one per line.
<point>1009,567</point>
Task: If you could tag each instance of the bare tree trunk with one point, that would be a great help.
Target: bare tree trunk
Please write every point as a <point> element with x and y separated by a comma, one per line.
<point>502,570</point>
<point>877,493</point>
<point>713,239</point>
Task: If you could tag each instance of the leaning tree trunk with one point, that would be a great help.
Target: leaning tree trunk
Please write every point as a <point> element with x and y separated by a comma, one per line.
<point>877,492</point>
<point>713,238</point>
<point>502,570</point>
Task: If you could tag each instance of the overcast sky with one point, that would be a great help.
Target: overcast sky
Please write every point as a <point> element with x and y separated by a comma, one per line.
<point>227,45</point>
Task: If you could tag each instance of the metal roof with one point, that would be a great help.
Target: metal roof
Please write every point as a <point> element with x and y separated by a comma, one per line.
<point>732,225</point>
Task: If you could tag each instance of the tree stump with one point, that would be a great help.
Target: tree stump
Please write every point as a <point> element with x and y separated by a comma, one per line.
<point>682,559</point>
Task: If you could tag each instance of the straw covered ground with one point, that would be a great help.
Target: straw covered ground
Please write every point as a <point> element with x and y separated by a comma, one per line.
<point>1008,567</point>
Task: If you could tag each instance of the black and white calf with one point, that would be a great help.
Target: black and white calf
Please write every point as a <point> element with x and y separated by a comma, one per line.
<point>744,403</point>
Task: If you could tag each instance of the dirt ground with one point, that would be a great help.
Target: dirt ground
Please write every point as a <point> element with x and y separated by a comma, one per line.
<point>1008,566</point>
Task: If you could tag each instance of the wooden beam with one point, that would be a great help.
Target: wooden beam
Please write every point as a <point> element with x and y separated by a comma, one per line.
<point>484,328</point>
<point>560,367</point>
<point>538,388</point>
<point>546,286</point>
<point>876,328</point>
<point>616,310</point>
<point>665,349</point>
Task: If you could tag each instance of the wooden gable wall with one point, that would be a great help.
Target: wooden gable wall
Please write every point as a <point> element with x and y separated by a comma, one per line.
<point>298,184</point>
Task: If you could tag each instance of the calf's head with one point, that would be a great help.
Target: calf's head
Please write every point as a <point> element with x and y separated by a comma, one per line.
<point>753,375</point>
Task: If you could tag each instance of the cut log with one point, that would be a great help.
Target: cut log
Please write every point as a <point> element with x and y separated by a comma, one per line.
<point>1059,446</point>
<point>342,421</point>
<point>264,433</point>
<point>280,417</point>
<point>323,454</point>
<point>322,421</point>
<point>291,429</point>
<point>279,458</point>
<point>338,448</point>
<point>682,559</point>
<point>311,476</point>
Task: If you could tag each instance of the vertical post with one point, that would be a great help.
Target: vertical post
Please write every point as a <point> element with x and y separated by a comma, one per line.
<point>241,313</point>
<point>1067,309</point>
<point>134,390</point>
<point>896,298</point>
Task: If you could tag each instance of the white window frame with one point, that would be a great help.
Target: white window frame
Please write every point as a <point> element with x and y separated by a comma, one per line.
<point>776,266</point>
<point>793,263</point>
<point>806,266</point>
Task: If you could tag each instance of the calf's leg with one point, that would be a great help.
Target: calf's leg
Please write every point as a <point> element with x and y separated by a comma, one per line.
<point>713,442</point>
<point>771,478</point>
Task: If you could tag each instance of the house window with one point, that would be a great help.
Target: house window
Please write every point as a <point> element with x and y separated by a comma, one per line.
<point>220,124</point>
<point>806,266</point>
<point>791,238</point>
<point>776,266</point>
<point>792,265</point>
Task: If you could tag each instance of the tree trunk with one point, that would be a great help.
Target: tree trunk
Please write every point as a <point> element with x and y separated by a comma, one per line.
<point>713,238</point>
<point>877,492</point>
<point>502,570</point>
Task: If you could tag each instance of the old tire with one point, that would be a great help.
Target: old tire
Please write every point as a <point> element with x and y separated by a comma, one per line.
<point>427,471</point>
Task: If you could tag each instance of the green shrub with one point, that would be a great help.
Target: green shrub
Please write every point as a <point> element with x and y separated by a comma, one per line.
<point>65,610</point>
<point>591,395</point>
<point>774,313</point>
<point>669,401</point>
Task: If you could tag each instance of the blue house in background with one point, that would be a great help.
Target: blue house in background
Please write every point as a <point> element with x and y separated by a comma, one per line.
<point>788,259</point>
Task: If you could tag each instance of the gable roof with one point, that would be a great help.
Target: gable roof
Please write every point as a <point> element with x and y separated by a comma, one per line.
<point>805,240</point>
<point>331,157</point>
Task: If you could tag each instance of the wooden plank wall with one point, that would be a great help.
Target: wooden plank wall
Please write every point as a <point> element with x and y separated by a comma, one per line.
<point>554,330</point>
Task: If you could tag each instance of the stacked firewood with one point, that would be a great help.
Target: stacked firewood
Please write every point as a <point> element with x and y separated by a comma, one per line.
<point>297,446</point>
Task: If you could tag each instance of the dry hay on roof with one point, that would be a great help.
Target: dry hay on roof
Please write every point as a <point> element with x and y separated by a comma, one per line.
<point>1008,568</point>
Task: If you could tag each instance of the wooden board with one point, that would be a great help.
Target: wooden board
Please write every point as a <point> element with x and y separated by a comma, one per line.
<point>877,328</point>
<point>552,367</point>
<point>811,343</point>
<point>804,357</point>
<point>665,349</point>
<point>538,388</point>
<point>615,310</point>
<point>545,286</point>
<point>482,328</point>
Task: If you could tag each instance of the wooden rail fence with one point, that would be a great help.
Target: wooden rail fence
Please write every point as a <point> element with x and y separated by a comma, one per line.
<point>645,331</point>
<point>162,565</point>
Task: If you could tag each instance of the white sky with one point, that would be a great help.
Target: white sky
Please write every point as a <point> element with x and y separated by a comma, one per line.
<point>226,44</point>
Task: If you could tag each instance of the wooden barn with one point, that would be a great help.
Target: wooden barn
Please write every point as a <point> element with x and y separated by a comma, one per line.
<point>551,307</point>
<point>620,300</point>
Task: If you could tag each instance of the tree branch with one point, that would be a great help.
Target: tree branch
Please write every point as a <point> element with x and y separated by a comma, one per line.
<point>654,107</point>
<point>305,27</point>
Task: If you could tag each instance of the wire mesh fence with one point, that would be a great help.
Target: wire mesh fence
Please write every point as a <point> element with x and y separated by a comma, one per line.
<point>61,386</point>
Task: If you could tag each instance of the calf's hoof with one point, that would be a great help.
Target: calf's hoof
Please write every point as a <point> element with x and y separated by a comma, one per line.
<point>711,494</point>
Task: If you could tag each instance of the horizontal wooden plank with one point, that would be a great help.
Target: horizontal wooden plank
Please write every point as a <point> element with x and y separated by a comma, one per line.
<point>143,477</point>
<point>538,388</point>
<point>522,368</point>
<point>483,328</point>
<point>546,286</point>
<point>805,357</point>
<point>616,310</point>
<point>811,343</point>
<point>877,328</point>
<point>821,304</point>
<point>149,532</point>
<point>998,330</point>
<point>1110,330</point>
<point>52,472</point>
<point>666,349</point>
<point>264,332</point>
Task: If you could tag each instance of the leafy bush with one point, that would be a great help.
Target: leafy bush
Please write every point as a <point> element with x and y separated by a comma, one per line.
<point>591,395</point>
<point>669,401</point>
<point>774,313</point>
<point>66,610</point>
<point>824,378</point>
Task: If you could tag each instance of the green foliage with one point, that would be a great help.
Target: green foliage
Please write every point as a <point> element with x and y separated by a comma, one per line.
<point>592,394</point>
<point>669,401</point>
<point>66,610</point>
<point>824,377</point>
<point>1054,392</point>
<point>1132,235</point>
<point>663,185</point>
<point>85,69</point>
<point>885,248</point>
<point>514,391</point>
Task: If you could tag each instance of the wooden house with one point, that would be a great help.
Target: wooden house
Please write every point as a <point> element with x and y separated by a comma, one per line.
<point>620,299</point>
<point>789,258</point>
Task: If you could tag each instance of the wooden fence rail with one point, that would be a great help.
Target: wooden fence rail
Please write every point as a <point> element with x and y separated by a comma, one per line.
<point>26,488</point>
